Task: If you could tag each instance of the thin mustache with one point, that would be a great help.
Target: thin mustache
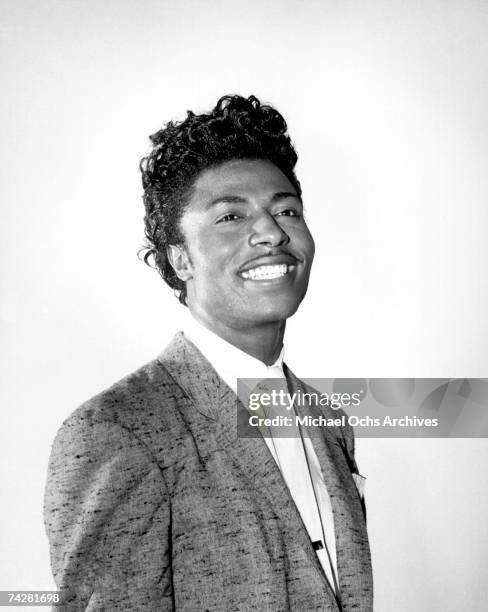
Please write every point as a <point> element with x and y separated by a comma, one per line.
<point>270,253</point>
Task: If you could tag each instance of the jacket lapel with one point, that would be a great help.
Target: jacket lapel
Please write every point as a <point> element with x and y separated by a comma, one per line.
<point>259,466</point>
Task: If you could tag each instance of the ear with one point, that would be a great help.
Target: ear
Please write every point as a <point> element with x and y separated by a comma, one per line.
<point>180,262</point>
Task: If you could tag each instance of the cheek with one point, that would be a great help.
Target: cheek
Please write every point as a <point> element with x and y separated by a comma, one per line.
<point>212,270</point>
<point>309,244</point>
<point>303,241</point>
<point>215,254</point>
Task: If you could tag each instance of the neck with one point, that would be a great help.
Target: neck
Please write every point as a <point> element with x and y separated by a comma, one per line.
<point>263,342</point>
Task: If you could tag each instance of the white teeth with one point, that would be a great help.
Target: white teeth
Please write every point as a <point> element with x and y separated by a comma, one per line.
<point>265,272</point>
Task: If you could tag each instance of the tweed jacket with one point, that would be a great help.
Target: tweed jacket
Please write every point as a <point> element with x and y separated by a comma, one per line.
<point>154,503</point>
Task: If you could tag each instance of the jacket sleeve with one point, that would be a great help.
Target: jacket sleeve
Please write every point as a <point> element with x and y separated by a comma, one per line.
<point>107,515</point>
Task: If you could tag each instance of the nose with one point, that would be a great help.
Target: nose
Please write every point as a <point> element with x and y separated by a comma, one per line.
<point>266,230</point>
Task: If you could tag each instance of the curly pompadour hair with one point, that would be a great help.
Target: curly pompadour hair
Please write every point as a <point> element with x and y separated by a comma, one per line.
<point>237,128</point>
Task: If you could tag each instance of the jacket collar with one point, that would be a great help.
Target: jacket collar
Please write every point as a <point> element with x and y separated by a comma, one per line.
<point>194,374</point>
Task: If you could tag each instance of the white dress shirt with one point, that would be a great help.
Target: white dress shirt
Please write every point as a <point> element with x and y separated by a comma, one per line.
<point>295,456</point>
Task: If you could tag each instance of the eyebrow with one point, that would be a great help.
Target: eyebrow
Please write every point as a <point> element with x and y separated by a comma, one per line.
<point>232,199</point>
<point>282,195</point>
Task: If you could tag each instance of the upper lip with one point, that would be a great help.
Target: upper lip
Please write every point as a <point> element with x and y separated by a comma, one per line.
<point>269,260</point>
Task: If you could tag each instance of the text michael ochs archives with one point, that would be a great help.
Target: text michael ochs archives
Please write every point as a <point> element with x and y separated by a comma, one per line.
<point>375,407</point>
<point>278,408</point>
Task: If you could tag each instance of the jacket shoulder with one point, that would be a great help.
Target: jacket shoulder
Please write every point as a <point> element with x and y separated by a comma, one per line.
<point>132,393</point>
<point>146,404</point>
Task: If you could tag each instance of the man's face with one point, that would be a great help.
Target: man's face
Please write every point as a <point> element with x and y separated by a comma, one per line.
<point>248,246</point>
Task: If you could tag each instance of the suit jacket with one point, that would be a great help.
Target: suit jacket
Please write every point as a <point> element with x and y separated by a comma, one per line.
<point>154,503</point>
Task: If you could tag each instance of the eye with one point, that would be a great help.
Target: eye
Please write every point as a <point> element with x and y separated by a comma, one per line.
<point>288,212</point>
<point>228,217</point>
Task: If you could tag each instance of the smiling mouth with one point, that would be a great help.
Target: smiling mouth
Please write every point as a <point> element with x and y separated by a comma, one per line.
<point>266,272</point>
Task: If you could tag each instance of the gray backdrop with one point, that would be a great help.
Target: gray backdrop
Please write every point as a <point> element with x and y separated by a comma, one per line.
<point>386,102</point>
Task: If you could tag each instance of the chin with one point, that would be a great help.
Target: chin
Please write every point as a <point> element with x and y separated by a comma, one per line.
<point>274,313</point>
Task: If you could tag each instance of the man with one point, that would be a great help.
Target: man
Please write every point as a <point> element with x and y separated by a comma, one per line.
<point>153,501</point>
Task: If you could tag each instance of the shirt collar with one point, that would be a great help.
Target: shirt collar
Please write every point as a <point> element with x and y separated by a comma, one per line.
<point>228,361</point>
